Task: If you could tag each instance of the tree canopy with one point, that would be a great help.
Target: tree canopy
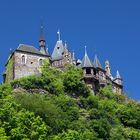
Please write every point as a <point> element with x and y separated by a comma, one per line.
<point>58,105</point>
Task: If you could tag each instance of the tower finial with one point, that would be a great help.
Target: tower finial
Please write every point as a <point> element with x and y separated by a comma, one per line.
<point>59,35</point>
<point>42,32</point>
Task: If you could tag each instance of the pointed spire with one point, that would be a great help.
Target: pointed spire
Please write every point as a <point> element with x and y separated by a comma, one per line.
<point>118,78</point>
<point>59,49</point>
<point>59,35</point>
<point>42,42</point>
<point>73,59</point>
<point>73,55</point>
<point>108,69</point>
<point>66,46</point>
<point>118,75</point>
<point>42,38</point>
<point>97,62</point>
<point>86,63</point>
<point>85,50</point>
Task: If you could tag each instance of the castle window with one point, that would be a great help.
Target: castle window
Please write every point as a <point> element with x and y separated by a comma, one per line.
<point>88,71</point>
<point>40,62</point>
<point>94,72</point>
<point>23,59</point>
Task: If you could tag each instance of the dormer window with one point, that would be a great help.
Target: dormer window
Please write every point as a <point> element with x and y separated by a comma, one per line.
<point>40,62</point>
<point>23,59</point>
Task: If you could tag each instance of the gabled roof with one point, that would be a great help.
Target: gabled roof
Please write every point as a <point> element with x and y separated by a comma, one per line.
<point>58,51</point>
<point>29,49</point>
<point>86,63</point>
<point>97,62</point>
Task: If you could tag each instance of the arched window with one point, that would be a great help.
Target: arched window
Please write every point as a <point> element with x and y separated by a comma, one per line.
<point>40,62</point>
<point>23,59</point>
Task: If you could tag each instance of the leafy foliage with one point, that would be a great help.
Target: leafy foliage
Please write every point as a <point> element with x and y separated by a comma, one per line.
<point>66,110</point>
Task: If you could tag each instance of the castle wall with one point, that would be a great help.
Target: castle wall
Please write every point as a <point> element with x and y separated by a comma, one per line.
<point>30,67</point>
<point>117,89</point>
<point>9,74</point>
<point>61,63</point>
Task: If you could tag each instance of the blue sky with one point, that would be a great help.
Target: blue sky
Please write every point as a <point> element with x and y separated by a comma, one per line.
<point>111,29</point>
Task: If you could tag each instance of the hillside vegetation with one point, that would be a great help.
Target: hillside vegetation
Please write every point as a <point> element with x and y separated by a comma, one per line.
<point>58,105</point>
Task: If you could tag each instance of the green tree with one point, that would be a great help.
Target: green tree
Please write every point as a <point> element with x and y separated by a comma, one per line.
<point>73,83</point>
<point>3,134</point>
<point>75,135</point>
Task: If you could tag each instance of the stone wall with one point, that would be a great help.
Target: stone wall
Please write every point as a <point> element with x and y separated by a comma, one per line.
<point>30,67</point>
<point>9,74</point>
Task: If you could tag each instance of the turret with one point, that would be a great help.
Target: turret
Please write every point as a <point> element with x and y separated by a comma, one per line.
<point>96,62</point>
<point>42,42</point>
<point>100,72</point>
<point>87,64</point>
<point>66,52</point>
<point>118,79</point>
<point>108,69</point>
<point>73,58</point>
<point>59,49</point>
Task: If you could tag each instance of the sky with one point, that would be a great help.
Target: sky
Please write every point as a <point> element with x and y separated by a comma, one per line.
<point>110,29</point>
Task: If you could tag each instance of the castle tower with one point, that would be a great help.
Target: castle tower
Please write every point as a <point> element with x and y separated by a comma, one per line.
<point>100,72</point>
<point>96,62</point>
<point>73,58</point>
<point>89,73</point>
<point>107,68</point>
<point>58,50</point>
<point>118,78</point>
<point>61,55</point>
<point>86,63</point>
<point>66,52</point>
<point>42,42</point>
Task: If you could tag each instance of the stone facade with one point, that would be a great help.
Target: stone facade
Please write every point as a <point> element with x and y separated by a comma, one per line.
<point>27,60</point>
<point>30,66</point>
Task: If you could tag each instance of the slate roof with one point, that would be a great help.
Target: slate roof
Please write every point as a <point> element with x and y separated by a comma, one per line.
<point>86,63</point>
<point>58,51</point>
<point>29,49</point>
<point>97,62</point>
<point>118,75</point>
<point>42,34</point>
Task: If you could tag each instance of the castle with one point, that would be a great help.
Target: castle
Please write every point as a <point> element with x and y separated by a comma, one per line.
<point>27,60</point>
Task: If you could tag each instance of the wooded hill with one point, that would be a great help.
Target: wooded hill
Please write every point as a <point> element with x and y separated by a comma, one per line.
<point>57,105</point>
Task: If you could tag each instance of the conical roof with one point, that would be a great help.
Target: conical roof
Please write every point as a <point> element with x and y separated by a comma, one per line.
<point>58,50</point>
<point>86,63</point>
<point>97,62</point>
<point>118,75</point>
